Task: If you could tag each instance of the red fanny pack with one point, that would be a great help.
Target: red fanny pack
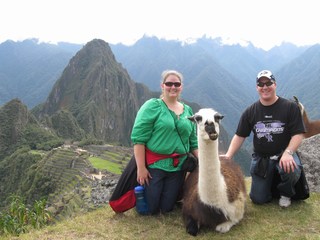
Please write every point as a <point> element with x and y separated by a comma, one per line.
<point>152,157</point>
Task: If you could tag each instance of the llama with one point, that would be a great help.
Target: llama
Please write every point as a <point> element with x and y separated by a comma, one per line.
<point>312,127</point>
<point>214,193</point>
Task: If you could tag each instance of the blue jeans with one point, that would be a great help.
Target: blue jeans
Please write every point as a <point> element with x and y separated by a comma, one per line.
<point>261,188</point>
<point>163,190</point>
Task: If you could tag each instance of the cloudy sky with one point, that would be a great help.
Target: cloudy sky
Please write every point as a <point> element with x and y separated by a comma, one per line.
<point>265,23</point>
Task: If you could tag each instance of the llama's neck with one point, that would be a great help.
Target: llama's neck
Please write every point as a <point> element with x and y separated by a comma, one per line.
<point>312,127</point>
<point>211,182</point>
<point>305,118</point>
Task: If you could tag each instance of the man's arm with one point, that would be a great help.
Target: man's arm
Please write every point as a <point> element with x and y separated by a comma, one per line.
<point>234,146</point>
<point>287,162</point>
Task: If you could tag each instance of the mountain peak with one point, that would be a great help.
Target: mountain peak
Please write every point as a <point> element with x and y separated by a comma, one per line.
<point>99,93</point>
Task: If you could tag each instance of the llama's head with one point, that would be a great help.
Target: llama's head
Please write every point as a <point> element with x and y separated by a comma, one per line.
<point>296,100</point>
<point>207,121</point>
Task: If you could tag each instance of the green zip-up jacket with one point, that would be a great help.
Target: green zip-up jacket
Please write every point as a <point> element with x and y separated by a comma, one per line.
<point>154,127</point>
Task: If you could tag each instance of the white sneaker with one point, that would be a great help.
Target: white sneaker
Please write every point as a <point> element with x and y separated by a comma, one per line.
<point>284,201</point>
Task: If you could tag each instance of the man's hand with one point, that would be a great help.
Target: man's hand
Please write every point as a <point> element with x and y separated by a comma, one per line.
<point>287,162</point>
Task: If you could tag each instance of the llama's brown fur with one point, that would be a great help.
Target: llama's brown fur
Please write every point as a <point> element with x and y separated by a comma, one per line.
<point>312,126</point>
<point>234,178</point>
<point>208,215</point>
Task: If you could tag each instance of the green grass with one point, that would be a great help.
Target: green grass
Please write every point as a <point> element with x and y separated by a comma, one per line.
<point>111,154</point>
<point>38,152</point>
<point>300,221</point>
<point>103,164</point>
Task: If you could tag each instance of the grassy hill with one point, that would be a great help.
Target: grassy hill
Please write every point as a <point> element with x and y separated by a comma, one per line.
<point>300,221</point>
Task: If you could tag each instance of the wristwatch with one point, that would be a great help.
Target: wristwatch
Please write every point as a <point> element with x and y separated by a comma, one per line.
<point>289,151</point>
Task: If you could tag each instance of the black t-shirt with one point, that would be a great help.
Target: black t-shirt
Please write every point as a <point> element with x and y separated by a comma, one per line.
<point>272,126</point>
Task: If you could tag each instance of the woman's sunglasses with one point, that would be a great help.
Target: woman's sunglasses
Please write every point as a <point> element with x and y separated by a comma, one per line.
<point>170,84</point>
<point>268,84</point>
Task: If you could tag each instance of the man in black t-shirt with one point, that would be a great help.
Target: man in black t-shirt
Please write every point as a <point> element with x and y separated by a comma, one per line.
<point>277,126</point>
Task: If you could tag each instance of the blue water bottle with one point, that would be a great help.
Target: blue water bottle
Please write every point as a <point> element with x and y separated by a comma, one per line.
<point>141,203</point>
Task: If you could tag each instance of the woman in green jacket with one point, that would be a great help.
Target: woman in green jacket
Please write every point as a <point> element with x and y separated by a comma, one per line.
<point>162,135</point>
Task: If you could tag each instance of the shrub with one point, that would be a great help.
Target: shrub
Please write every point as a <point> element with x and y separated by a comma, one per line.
<point>19,218</point>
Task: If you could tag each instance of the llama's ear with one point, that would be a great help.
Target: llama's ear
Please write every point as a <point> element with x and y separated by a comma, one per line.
<point>218,117</point>
<point>192,118</point>
<point>296,99</point>
<point>195,118</point>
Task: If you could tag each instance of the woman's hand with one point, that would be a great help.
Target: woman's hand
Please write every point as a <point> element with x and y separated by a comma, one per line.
<point>143,176</point>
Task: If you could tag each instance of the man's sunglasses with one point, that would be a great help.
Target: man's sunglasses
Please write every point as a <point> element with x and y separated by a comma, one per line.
<point>268,84</point>
<point>170,84</point>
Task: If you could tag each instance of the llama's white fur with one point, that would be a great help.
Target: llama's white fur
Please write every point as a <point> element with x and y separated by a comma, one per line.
<point>217,188</point>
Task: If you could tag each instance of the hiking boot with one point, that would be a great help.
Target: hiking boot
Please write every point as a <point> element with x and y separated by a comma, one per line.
<point>284,202</point>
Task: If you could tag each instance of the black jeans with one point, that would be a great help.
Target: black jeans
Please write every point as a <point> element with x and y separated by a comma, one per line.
<point>163,190</point>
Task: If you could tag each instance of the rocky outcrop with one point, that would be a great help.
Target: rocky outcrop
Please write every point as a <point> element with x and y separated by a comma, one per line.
<point>310,156</point>
<point>102,189</point>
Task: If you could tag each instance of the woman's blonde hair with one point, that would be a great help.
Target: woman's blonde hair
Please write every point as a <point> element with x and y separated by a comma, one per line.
<point>166,73</point>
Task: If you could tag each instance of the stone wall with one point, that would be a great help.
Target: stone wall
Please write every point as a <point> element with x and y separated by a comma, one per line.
<point>309,152</point>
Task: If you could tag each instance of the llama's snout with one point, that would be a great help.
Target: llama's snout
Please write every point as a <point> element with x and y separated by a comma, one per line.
<point>211,130</point>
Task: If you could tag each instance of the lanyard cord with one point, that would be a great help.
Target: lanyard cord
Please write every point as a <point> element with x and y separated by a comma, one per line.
<point>176,126</point>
